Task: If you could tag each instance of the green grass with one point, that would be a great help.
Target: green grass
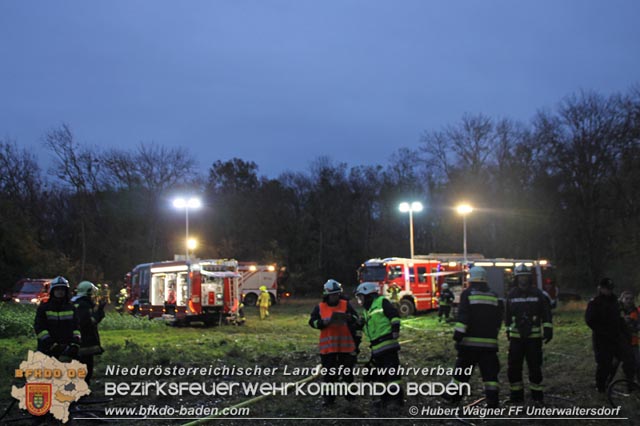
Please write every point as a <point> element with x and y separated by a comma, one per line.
<point>286,339</point>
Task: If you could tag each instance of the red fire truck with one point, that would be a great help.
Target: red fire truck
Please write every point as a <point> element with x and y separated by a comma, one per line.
<point>202,290</point>
<point>417,279</point>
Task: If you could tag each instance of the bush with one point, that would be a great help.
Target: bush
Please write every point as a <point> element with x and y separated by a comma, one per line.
<point>17,320</point>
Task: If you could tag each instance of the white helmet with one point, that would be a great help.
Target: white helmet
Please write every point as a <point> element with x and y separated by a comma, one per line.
<point>332,287</point>
<point>521,269</point>
<point>445,286</point>
<point>86,288</point>
<point>59,282</point>
<point>477,274</point>
<point>367,288</point>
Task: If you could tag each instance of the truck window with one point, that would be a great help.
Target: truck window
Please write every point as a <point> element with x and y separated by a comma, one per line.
<point>395,272</point>
<point>422,274</point>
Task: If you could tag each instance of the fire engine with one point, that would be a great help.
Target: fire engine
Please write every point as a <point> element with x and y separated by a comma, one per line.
<point>254,276</point>
<point>202,290</point>
<point>417,279</point>
<point>499,273</point>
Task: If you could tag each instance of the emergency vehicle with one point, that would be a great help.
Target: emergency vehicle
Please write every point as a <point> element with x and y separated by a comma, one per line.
<point>29,290</point>
<point>416,278</point>
<point>500,275</point>
<point>203,290</point>
<point>254,276</point>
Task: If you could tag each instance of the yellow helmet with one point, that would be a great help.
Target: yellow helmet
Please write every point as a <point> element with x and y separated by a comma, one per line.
<point>263,288</point>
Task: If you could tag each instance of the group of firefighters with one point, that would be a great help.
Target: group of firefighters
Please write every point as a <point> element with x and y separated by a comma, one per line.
<point>526,312</point>
<point>67,327</point>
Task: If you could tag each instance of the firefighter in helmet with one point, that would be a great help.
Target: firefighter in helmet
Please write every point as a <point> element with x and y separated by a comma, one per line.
<point>476,334</point>
<point>394,295</point>
<point>611,338</point>
<point>528,322</point>
<point>89,316</point>
<point>123,296</point>
<point>381,325</point>
<point>56,323</point>
<point>264,301</point>
<point>444,303</point>
<point>339,339</point>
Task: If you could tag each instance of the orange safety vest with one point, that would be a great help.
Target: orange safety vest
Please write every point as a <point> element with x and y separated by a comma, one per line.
<point>335,337</point>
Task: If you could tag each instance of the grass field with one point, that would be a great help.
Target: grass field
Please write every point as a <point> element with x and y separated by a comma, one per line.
<point>285,339</point>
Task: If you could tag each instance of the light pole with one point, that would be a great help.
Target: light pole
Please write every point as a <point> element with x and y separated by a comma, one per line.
<point>183,203</point>
<point>415,206</point>
<point>464,210</point>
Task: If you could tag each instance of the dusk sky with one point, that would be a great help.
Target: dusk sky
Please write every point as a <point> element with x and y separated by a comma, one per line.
<point>283,82</point>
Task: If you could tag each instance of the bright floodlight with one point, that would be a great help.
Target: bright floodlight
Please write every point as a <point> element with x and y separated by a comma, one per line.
<point>416,206</point>
<point>192,203</point>
<point>192,243</point>
<point>464,209</point>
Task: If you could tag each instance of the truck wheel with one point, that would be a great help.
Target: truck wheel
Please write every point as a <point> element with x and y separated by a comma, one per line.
<point>250,299</point>
<point>406,308</point>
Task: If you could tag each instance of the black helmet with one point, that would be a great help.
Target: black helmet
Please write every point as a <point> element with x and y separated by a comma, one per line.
<point>606,283</point>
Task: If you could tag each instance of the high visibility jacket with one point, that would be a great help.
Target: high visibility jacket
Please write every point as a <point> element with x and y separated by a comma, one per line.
<point>56,322</point>
<point>264,300</point>
<point>335,337</point>
<point>528,312</point>
<point>479,317</point>
<point>380,322</point>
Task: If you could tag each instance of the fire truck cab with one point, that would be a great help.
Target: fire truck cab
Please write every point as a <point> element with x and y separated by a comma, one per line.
<point>202,290</point>
<point>417,280</point>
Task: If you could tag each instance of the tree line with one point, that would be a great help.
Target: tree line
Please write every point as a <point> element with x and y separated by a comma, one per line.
<point>563,186</point>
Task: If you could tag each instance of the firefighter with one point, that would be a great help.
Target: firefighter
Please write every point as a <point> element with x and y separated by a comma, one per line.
<point>528,323</point>
<point>394,293</point>
<point>89,316</point>
<point>630,312</point>
<point>264,301</point>
<point>56,323</point>
<point>104,293</point>
<point>170,303</point>
<point>123,296</point>
<point>610,335</point>
<point>337,321</point>
<point>381,325</point>
<point>476,334</point>
<point>444,303</point>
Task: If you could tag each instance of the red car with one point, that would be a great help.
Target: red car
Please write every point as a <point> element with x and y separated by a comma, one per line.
<point>30,290</point>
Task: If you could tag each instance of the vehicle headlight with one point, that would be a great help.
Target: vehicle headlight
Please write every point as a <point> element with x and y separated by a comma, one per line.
<point>34,300</point>
<point>16,300</point>
<point>219,295</point>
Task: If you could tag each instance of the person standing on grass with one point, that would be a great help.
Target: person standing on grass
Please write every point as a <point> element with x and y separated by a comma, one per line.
<point>476,335</point>
<point>381,325</point>
<point>264,301</point>
<point>444,303</point>
<point>611,338</point>
<point>89,316</point>
<point>528,323</point>
<point>630,312</point>
<point>337,321</point>
<point>56,323</point>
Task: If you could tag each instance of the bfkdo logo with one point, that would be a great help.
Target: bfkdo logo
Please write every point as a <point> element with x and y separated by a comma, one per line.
<point>38,398</point>
<point>51,386</point>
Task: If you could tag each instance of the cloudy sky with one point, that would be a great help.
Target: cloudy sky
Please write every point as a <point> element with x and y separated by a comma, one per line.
<point>281,82</point>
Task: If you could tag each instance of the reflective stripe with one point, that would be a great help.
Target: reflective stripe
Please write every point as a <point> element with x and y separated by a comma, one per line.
<point>491,385</point>
<point>483,302</point>
<point>536,387</point>
<point>43,334</point>
<point>547,325</point>
<point>480,342</point>
<point>462,328</point>
<point>524,299</point>
<point>384,346</point>
<point>516,386</point>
